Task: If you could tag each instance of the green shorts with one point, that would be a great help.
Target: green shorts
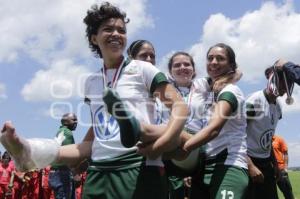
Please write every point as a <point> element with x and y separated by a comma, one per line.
<point>220,181</point>
<point>133,183</point>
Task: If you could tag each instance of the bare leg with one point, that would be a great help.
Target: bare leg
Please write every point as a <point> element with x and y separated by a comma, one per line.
<point>29,154</point>
<point>17,147</point>
<point>151,132</point>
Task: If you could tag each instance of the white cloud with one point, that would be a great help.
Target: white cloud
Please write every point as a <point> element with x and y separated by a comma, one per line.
<point>44,29</point>
<point>53,34</point>
<point>258,37</point>
<point>60,82</point>
<point>57,110</point>
<point>2,91</point>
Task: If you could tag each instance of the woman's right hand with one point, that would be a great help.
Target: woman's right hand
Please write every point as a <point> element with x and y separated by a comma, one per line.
<point>256,175</point>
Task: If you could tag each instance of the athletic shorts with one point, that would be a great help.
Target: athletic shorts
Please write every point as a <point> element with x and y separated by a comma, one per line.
<point>220,181</point>
<point>144,182</point>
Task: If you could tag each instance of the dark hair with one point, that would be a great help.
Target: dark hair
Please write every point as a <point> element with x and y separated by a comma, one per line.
<point>170,63</point>
<point>6,155</point>
<point>96,16</point>
<point>229,51</point>
<point>268,71</point>
<point>135,47</point>
<point>231,77</point>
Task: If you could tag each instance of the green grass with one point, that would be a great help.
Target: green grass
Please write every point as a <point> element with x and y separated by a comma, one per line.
<point>295,181</point>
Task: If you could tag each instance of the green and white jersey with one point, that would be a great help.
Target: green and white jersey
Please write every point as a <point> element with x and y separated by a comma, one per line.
<point>197,105</point>
<point>135,85</point>
<point>233,134</point>
<point>195,97</point>
<point>262,121</point>
<point>68,138</point>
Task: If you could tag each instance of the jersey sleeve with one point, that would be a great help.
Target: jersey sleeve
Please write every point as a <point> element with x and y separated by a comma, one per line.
<point>293,72</point>
<point>152,76</point>
<point>230,94</point>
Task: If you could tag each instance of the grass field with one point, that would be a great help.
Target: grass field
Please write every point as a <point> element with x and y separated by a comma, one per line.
<point>295,180</point>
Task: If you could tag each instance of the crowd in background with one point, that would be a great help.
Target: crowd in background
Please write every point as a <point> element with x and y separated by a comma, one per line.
<point>29,185</point>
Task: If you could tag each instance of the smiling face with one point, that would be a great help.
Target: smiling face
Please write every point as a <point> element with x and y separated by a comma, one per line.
<point>217,62</point>
<point>182,70</point>
<point>146,53</point>
<point>111,39</point>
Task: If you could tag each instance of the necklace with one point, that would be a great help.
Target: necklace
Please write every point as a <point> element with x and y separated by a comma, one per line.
<point>116,76</point>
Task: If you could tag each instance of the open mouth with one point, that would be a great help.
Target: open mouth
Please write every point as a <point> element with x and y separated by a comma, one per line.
<point>115,43</point>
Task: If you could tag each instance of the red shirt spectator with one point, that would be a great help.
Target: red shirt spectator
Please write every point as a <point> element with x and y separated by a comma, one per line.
<point>5,175</point>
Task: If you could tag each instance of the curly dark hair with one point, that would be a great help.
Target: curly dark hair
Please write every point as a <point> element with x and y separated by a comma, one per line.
<point>98,15</point>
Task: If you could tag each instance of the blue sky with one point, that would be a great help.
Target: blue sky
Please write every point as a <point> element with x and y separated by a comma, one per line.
<point>44,56</point>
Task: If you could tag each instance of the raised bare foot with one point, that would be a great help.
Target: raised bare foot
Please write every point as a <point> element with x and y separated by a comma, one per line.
<point>17,147</point>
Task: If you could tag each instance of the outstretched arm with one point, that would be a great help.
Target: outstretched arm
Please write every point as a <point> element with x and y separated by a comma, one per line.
<point>292,70</point>
<point>222,111</point>
<point>74,154</point>
<point>179,111</point>
<point>170,138</point>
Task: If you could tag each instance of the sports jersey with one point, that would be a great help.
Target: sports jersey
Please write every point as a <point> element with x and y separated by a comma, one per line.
<point>135,85</point>
<point>195,97</point>
<point>5,174</point>
<point>233,134</point>
<point>68,139</point>
<point>262,121</point>
<point>280,150</point>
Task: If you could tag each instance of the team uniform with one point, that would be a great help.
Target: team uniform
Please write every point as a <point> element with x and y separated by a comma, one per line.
<point>280,149</point>
<point>60,176</point>
<point>116,171</point>
<point>225,171</point>
<point>195,97</point>
<point>196,121</point>
<point>262,121</point>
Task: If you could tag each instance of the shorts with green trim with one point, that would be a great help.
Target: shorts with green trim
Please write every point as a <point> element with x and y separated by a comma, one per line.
<point>220,181</point>
<point>143,182</point>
